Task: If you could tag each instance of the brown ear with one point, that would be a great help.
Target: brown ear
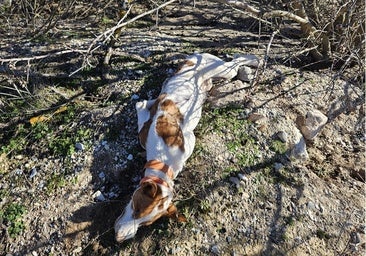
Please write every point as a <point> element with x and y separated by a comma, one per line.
<point>149,188</point>
<point>172,212</point>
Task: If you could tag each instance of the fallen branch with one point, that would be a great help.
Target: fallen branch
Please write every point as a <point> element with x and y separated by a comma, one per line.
<point>39,57</point>
<point>299,16</point>
<point>108,33</point>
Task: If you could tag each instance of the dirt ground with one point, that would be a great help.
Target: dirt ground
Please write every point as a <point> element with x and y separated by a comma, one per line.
<point>251,198</point>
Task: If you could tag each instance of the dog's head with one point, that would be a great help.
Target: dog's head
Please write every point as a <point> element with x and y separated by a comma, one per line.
<point>149,202</point>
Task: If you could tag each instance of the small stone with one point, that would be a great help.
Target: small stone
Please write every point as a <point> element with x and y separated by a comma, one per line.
<point>245,74</point>
<point>310,205</point>
<point>282,136</point>
<point>112,195</point>
<point>79,146</point>
<point>278,166</point>
<point>40,185</point>
<point>101,175</point>
<point>228,239</point>
<point>130,157</point>
<point>355,238</point>
<point>175,250</point>
<point>215,249</point>
<point>257,118</point>
<point>18,171</point>
<point>78,249</point>
<point>298,150</point>
<point>313,122</point>
<point>18,157</point>
<point>135,97</point>
<point>235,181</point>
<point>242,177</point>
<point>33,173</point>
<point>99,196</point>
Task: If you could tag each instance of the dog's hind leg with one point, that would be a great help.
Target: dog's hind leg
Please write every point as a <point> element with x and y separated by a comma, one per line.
<point>216,68</point>
<point>143,112</point>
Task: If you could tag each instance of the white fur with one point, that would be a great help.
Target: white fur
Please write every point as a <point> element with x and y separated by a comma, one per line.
<point>187,90</point>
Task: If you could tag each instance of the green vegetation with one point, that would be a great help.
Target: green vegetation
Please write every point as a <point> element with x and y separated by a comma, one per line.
<point>54,132</point>
<point>322,234</point>
<point>278,146</point>
<point>57,180</point>
<point>12,216</point>
<point>228,124</point>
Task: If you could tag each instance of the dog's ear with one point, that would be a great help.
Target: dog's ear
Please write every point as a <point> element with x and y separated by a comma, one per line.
<point>149,188</point>
<point>172,212</point>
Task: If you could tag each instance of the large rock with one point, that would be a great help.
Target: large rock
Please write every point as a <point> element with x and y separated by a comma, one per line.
<point>312,123</point>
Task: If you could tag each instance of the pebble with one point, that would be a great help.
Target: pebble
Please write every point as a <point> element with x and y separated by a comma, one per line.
<point>112,195</point>
<point>215,249</point>
<point>33,173</point>
<point>235,181</point>
<point>139,72</point>
<point>79,146</point>
<point>310,205</point>
<point>228,239</point>
<point>242,177</point>
<point>283,136</point>
<point>78,249</point>
<point>101,175</point>
<point>313,122</point>
<point>299,150</point>
<point>40,185</point>
<point>355,238</point>
<point>18,171</point>
<point>245,74</point>
<point>175,250</point>
<point>135,97</point>
<point>278,166</point>
<point>99,196</point>
<point>130,157</point>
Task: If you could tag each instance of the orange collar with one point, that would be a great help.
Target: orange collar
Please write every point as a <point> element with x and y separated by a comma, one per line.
<point>160,166</point>
<point>154,179</point>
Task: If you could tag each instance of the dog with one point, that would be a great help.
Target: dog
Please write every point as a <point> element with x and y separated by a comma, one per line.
<point>165,127</point>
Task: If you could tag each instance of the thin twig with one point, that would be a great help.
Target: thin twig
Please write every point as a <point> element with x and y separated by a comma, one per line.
<point>268,48</point>
<point>108,33</point>
<point>39,57</point>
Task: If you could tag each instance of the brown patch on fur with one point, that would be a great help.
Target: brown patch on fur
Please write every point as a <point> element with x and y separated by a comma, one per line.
<point>146,198</point>
<point>168,125</point>
<point>146,127</point>
<point>171,212</point>
<point>186,63</point>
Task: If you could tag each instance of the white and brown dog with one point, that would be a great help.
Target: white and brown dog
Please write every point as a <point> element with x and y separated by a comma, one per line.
<point>165,128</point>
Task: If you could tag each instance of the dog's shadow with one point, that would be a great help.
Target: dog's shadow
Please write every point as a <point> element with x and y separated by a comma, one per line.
<point>113,173</point>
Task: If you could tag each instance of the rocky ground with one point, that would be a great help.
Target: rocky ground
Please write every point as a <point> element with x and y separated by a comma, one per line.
<point>257,183</point>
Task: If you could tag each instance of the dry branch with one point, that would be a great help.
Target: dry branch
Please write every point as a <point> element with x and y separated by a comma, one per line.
<point>299,16</point>
<point>39,57</point>
<point>108,34</point>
